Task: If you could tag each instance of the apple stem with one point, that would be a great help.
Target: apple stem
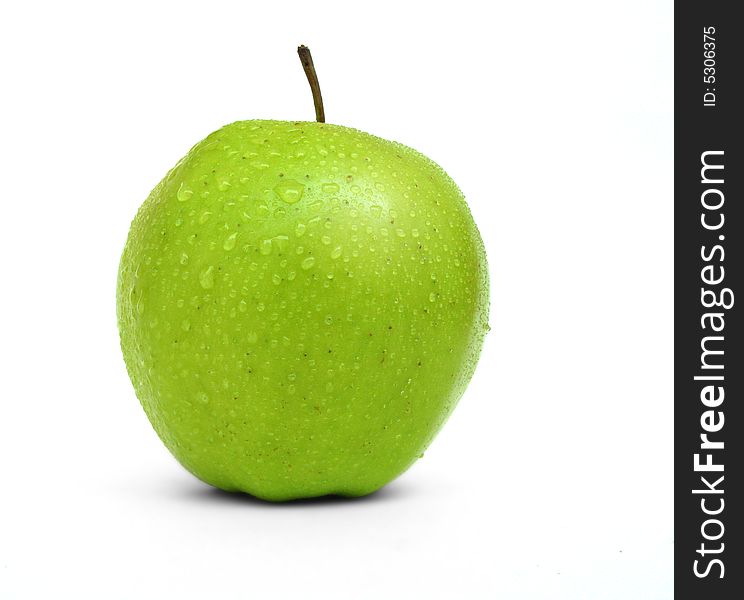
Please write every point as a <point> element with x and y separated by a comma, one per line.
<point>312,79</point>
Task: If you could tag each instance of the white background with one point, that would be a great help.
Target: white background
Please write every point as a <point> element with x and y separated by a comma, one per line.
<point>553,477</point>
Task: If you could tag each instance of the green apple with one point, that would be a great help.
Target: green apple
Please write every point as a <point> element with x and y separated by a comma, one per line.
<point>301,306</point>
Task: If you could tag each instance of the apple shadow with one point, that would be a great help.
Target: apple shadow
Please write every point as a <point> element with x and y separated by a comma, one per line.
<point>206,494</point>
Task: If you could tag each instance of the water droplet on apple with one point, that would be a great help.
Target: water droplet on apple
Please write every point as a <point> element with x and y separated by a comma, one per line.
<point>204,217</point>
<point>375,211</point>
<point>223,185</point>
<point>325,240</point>
<point>184,258</point>
<point>251,337</point>
<point>308,263</point>
<point>300,229</point>
<point>330,188</point>
<point>185,325</point>
<point>266,247</point>
<point>432,297</point>
<point>289,191</point>
<point>276,279</point>
<point>281,242</point>
<point>400,233</point>
<point>184,193</point>
<point>336,252</point>
<point>202,398</point>
<point>206,277</point>
<point>230,241</point>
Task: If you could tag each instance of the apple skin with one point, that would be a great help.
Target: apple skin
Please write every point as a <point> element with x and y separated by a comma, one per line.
<point>300,307</point>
